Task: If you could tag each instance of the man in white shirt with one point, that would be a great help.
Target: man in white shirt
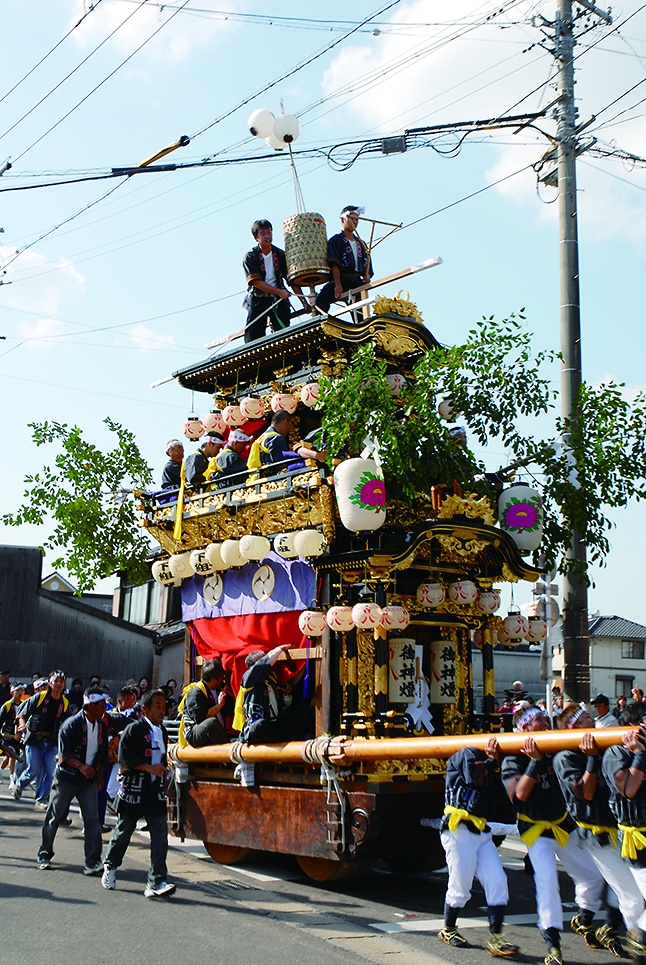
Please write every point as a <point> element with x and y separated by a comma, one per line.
<point>265,269</point>
<point>604,718</point>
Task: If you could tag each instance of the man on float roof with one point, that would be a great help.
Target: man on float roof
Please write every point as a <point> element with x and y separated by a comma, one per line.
<point>348,257</point>
<point>265,267</point>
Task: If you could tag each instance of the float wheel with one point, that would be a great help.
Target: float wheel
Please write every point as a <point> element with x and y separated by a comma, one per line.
<point>227,853</point>
<point>324,869</point>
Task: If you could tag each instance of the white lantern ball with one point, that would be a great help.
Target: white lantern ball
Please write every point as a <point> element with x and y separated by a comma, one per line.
<point>537,630</point>
<point>161,572</point>
<point>366,615</point>
<point>477,639</point>
<point>213,422</point>
<point>231,554</point>
<point>310,394</point>
<point>339,618</point>
<point>200,563</point>
<point>312,623</point>
<point>232,415</point>
<point>285,401</point>
<point>447,410</point>
<point>261,123</point>
<point>252,408</point>
<point>309,542</point>
<point>284,545</point>
<point>431,594</point>
<point>395,618</point>
<point>193,428</point>
<point>254,547</point>
<point>213,553</point>
<point>286,128</point>
<point>505,638</point>
<point>488,602</point>
<point>272,141</point>
<point>180,566</point>
<point>463,592</point>
<point>516,625</point>
<point>396,383</point>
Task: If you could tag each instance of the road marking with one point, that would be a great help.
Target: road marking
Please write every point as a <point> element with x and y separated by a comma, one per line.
<point>435,924</point>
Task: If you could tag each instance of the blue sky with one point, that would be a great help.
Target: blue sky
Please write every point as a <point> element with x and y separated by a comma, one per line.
<point>131,289</point>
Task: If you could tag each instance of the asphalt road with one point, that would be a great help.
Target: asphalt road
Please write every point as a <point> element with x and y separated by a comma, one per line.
<point>264,912</point>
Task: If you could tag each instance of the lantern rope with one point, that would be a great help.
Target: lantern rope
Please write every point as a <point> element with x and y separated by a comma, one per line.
<point>300,202</point>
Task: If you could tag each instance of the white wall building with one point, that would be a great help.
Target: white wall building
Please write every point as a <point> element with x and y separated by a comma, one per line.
<point>617,656</point>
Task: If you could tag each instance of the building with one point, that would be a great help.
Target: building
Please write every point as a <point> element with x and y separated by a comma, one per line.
<point>617,656</point>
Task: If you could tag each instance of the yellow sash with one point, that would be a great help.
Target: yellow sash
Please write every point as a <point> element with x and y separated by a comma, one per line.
<point>238,715</point>
<point>211,469</point>
<point>179,511</point>
<point>633,841</point>
<point>181,739</point>
<point>532,834</point>
<point>459,814</point>
<point>600,829</point>
<point>254,460</point>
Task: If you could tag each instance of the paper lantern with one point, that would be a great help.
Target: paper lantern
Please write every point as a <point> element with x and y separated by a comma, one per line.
<point>284,546</point>
<point>366,616</point>
<point>312,623</point>
<point>463,592</point>
<point>516,626</point>
<point>286,128</point>
<point>360,494</point>
<point>310,394</point>
<point>261,123</point>
<point>537,630</point>
<point>200,563</point>
<point>254,547</point>
<point>443,672</point>
<point>231,554</point>
<point>395,617</point>
<point>477,639</point>
<point>213,422</point>
<point>213,553</point>
<point>505,638</point>
<point>396,383</point>
<point>272,141</point>
<point>285,401</point>
<point>193,428</point>
<point>431,594</point>
<point>339,618</point>
<point>488,602</point>
<point>447,410</point>
<point>252,408</point>
<point>232,416</point>
<point>180,567</point>
<point>309,542</point>
<point>161,572</point>
<point>520,511</point>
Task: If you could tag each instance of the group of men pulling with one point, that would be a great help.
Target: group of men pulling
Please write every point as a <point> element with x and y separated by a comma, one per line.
<point>584,807</point>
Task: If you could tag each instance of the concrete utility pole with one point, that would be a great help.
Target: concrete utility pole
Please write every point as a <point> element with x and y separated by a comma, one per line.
<point>576,655</point>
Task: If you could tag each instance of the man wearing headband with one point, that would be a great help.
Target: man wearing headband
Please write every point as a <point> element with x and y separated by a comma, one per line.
<point>231,467</point>
<point>548,831</point>
<point>40,719</point>
<point>82,752</point>
<point>623,769</point>
<point>348,258</point>
<point>172,474</point>
<point>472,792</point>
<point>196,465</point>
<point>587,798</point>
<point>265,268</point>
<point>9,744</point>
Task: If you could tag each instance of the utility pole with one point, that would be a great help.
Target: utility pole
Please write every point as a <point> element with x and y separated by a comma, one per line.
<point>576,650</point>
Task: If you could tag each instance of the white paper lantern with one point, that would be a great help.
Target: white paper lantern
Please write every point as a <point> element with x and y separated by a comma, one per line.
<point>213,554</point>
<point>396,383</point>
<point>193,428</point>
<point>360,494</point>
<point>447,410</point>
<point>431,594</point>
<point>339,618</point>
<point>366,616</point>
<point>261,123</point>
<point>312,623</point>
<point>505,638</point>
<point>274,143</point>
<point>488,602</point>
<point>310,394</point>
<point>395,617</point>
<point>309,542</point>
<point>213,422</point>
<point>537,630</point>
<point>285,401</point>
<point>252,408</point>
<point>231,554</point>
<point>520,511</point>
<point>161,572</point>
<point>443,672</point>
<point>200,563</point>
<point>286,128</point>
<point>254,547</point>
<point>284,546</point>
<point>516,625</point>
<point>180,567</point>
<point>232,416</point>
<point>463,592</point>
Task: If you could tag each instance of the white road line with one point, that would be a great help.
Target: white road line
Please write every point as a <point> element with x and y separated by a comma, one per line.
<point>434,924</point>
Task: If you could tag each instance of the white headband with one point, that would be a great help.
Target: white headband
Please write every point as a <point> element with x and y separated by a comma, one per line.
<point>527,715</point>
<point>576,716</point>
<point>93,698</point>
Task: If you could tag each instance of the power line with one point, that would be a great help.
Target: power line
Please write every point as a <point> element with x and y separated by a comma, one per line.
<point>107,395</point>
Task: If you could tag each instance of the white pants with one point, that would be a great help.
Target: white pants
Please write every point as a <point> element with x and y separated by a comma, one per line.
<point>639,875</point>
<point>614,870</point>
<point>577,861</point>
<point>468,856</point>
<point>113,781</point>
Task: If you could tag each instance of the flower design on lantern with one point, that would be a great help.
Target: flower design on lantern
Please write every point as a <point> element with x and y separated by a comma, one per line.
<point>395,618</point>
<point>180,566</point>
<point>339,619</point>
<point>463,592</point>
<point>431,594</point>
<point>522,515</point>
<point>366,616</point>
<point>370,493</point>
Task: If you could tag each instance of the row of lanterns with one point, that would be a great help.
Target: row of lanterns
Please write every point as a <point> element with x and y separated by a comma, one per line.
<point>463,592</point>
<point>250,409</point>
<point>516,628</point>
<point>363,616</point>
<point>237,552</point>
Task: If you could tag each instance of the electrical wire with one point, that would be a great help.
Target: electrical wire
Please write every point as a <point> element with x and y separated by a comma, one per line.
<point>107,395</point>
<point>611,175</point>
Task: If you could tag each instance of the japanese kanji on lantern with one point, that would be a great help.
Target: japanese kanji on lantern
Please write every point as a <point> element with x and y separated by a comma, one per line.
<point>401,670</point>
<point>443,672</point>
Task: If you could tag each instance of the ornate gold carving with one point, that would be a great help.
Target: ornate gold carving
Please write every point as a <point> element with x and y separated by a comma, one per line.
<point>353,671</point>
<point>366,661</point>
<point>381,679</point>
<point>397,306</point>
<point>397,341</point>
<point>416,770</point>
<point>508,576</point>
<point>469,505</point>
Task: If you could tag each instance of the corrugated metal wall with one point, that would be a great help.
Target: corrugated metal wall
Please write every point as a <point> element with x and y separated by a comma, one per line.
<point>39,632</point>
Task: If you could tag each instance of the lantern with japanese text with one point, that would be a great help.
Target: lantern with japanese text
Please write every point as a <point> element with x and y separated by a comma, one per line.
<point>161,572</point>
<point>310,394</point>
<point>312,623</point>
<point>339,619</point>
<point>193,428</point>
<point>366,616</point>
<point>201,564</point>
<point>309,542</point>
<point>284,546</point>
<point>180,567</point>
<point>488,602</point>
<point>443,672</point>
<point>213,422</point>
<point>284,401</point>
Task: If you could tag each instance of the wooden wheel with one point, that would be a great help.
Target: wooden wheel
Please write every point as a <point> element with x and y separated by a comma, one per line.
<point>324,869</point>
<point>227,853</point>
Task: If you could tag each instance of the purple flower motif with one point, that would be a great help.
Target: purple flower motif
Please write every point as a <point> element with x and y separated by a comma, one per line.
<point>370,493</point>
<point>522,516</point>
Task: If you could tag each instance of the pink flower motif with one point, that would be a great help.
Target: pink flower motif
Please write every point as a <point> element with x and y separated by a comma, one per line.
<point>522,516</point>
<point>373,494</point>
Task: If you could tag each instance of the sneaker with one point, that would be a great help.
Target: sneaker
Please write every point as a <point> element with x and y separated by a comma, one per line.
<point>109,878</point>
<point>607,937</point>
<point>44,864</point>
<point>635,947</point>
<point>162,890</point>
<point>497,945</point>
<point>41,806</point>
<point>554,956</point>
<point>451,936</point>
<point>106,829</point>
<point>16,792</point>
<point>586,931</point>
<point>94,869</point>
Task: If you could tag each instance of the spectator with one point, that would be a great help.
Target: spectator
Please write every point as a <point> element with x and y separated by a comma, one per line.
<point>118,720</point>
<point>5,687</point>
<point>142,756</point>
<point>602,711</point>
<point>31,688</point>
<point>622,703</point>
<point>75,695</point>
<point>143,685</point>
<point>205,706</point>
<point>40,718</point>
<point>506,706</point>
<point>172,474</point>
<point>197,463</point>
<point>95,680</point>
<point>9,743</point>
<point>638,695</point>
<point>517,692</point>
<point>82,752</point>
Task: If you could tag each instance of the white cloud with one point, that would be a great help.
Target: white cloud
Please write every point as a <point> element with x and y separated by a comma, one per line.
<point>40,333</point>
<point>37,295</point>
<point>148,340</point>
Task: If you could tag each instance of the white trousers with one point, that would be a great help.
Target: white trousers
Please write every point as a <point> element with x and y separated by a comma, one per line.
<point>624,885</point>
<point>589,884</point>
<point>639,875</point>
<point>470,856</point>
